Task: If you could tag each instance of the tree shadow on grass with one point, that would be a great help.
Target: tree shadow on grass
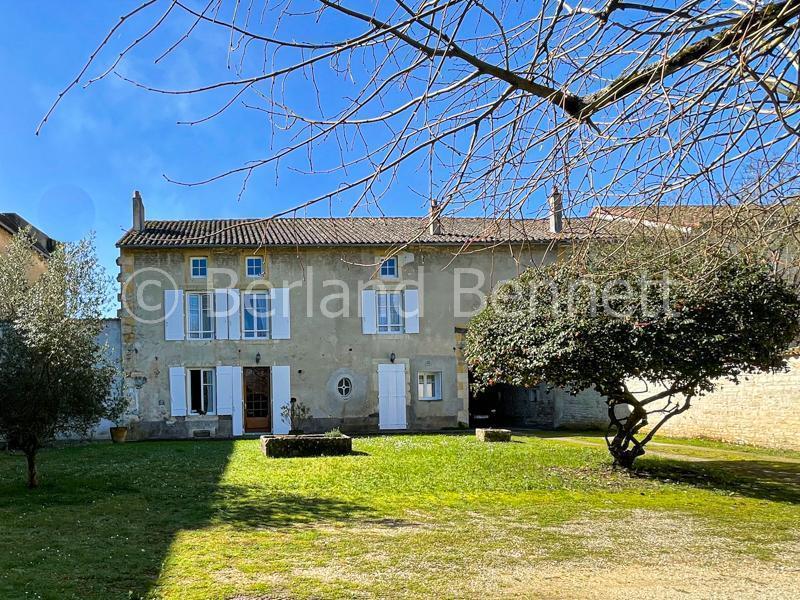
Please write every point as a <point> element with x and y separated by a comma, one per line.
<point>254,507</point>
<point>778,481</point>
<point>104,517</point>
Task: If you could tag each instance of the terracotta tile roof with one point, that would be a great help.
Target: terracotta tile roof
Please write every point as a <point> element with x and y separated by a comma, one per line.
<point>350,231</point>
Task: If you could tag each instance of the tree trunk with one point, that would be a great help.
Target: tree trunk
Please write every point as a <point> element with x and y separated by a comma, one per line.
<point>33,477</point>
<point>625,458</point>
<point>621,436</point>
<point>624,446</point>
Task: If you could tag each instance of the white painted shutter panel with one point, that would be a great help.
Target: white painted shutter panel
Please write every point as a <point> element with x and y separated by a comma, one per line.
<point>411,308</point>
<point>177,391</point>
<point>237,400</point>
<point>280,329</point>
<point>221,314</point>
<point>391,396</point>
<point>224,391</point>
<point>234,315</point>
<point>369,320</point>
<point>280,398</point>
<point>173,315</point>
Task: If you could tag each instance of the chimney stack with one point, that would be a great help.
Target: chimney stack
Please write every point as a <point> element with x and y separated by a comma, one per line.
<point>556,211</point>
<point>138,211</point>
<point>435,223</point>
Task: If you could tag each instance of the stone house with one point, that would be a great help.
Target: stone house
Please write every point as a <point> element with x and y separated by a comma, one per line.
<point>359,320</point>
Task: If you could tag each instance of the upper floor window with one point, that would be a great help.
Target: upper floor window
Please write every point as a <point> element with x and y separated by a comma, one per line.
<point>201,391</point>
<point>429,386</point>
<point>255,266</point>
<point>256,315</point>
<point>201,319</point>
<point>389,267</point>
<point>199,267</point>
<point>390,312</point>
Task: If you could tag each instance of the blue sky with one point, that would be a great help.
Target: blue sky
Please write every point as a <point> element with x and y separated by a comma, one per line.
<point>103,142</point>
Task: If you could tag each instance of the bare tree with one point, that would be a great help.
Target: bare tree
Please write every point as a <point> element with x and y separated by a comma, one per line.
<point>610,101</point>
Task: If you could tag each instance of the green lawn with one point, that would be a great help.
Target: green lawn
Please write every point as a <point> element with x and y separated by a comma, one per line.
<point>408,516</point>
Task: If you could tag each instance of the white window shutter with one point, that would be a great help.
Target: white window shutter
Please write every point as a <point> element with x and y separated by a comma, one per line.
<point>173,315</point>
<point>280,398</point>
<point>369,320</point>
<point>234,315</point>
<point>221,314</point>
<point>177,391</point>
<point>411,309</point>
<point>280,328</point>
<point>237,399</point>
<point>224,391</point>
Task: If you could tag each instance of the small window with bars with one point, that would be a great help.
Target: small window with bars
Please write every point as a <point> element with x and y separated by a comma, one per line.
<point>255,266</point>
<point>389,268</point>
<point>199,267</point>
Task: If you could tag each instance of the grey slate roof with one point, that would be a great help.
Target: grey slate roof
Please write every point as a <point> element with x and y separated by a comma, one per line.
<point>348,231</point>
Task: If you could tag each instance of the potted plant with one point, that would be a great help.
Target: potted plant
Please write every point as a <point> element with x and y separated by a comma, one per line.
<point>294,413</point>
<point>116,408</point>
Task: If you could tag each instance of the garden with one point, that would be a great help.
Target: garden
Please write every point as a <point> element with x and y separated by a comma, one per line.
<point>408,515</point>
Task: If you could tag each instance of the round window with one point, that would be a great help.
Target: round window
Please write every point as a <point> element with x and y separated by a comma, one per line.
<point>344,387</point>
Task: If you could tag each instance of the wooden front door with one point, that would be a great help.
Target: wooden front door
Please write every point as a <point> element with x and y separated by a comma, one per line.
<point>257,399</point>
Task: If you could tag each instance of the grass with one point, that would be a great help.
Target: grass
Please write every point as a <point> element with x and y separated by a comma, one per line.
<point>418,516</point>
<point>686,446</point>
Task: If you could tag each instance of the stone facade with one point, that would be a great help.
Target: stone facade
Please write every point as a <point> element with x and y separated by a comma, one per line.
<point>320,350</point>
<point>763,410</point>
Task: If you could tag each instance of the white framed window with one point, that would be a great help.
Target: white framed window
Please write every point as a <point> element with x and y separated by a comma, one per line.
<point>255,266</point>
<point>201,391</point>
<point>345,387</point>
<point>389,268</point>
<point>429,386</point>
<point>389,311</point>
<point>199,310</point>
<point>199,266</point>
<point>255,315</point>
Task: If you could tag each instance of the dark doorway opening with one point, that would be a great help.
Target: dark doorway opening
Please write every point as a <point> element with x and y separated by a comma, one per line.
<point>510,406</point>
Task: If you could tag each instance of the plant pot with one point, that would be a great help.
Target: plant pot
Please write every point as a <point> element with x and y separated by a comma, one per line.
<point>118,434</point>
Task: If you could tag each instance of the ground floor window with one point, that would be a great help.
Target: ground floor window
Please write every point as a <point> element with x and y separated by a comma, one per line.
<point>201,391</point>
<point>430,386</point>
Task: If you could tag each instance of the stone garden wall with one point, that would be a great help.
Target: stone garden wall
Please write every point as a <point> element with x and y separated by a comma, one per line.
<point>763,410</point>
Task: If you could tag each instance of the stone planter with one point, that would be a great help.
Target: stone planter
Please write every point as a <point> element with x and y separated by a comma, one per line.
<point>118,434</point>
<point>290,446</point>
<point>493,435</point>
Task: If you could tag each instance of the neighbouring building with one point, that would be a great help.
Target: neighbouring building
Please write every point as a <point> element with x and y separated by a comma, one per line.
<point>11,223</point>
<point>359,320</point>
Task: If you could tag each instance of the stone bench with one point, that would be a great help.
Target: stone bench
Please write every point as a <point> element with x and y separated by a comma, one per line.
<point>493,435</point>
